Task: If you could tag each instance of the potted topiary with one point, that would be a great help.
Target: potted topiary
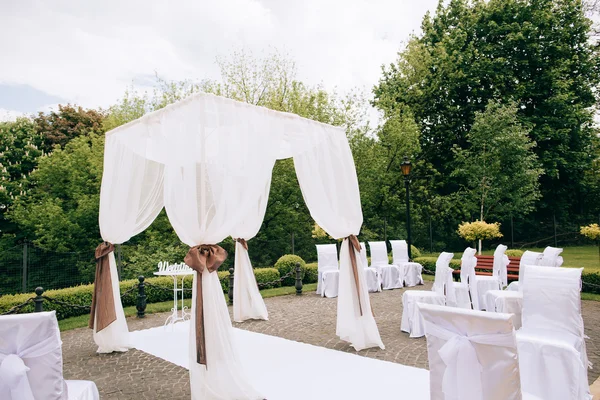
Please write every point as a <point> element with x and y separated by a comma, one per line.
<point>478,231</point>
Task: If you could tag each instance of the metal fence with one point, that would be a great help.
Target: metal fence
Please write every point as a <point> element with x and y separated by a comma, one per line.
<point>25,266</point>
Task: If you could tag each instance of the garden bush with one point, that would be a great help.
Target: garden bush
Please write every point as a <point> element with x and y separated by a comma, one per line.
<point>414,252</point>
<point>591,282</point>
<point>514,253</point>
<point>285,264</point>
<point>159,289</point>
<point>311,274</point>
<point>428,263</point>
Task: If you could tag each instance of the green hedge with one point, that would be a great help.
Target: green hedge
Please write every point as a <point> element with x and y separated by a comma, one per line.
<point>82,295</point>
<point>591,282</point>
<point>287,263</point>
<point>514,253</point>
<point>428,263</point>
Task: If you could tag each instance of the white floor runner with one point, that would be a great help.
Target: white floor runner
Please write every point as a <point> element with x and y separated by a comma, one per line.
<point>286,370</point>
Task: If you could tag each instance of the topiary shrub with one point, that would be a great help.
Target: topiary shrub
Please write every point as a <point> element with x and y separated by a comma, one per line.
<point>285,264</point>
<point>311,273</point>
<point>514,253</point>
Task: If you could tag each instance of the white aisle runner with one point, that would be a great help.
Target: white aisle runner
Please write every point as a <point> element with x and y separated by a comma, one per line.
<point>282,369</point>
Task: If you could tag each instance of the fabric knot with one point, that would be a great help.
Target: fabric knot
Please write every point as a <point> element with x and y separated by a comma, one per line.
<point>102,311</point>
<point>242,242</point>
<point>203,257</point>
<point>12,370</point>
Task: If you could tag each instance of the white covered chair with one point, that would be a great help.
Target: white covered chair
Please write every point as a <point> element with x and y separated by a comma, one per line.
<point>412,270</point>
<point>551,257</point>
<point>466,289</point>
<point>551,343</point>
<point>528,258</point>
<point>442,291</point>
<point>391,275</point>
<point>31,366</point>
<point>328,280</point>
<point>373,278</point>
<point>499,278</point>
<point>472,355</point>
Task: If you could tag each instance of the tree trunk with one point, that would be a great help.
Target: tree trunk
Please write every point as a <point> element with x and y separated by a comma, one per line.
<point>479,246</point>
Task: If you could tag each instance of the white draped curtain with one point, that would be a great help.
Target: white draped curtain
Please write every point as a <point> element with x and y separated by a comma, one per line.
<point>130,199</point>
<point>327,177</point>
<point>209,160</point>
<point>247,300</point>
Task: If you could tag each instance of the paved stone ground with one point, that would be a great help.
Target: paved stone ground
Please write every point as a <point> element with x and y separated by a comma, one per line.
<point>309,319</point>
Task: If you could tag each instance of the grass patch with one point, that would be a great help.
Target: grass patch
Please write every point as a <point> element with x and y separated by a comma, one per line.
<point>166,306</point>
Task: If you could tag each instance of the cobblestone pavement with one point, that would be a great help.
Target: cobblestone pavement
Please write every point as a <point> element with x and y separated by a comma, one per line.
<point>308,318</point>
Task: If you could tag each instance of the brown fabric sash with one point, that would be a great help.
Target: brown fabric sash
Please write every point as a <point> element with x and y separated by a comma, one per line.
<point>355,245</point>
<point>200,258</point>
<point>242,242</point>
<point>103,301</point>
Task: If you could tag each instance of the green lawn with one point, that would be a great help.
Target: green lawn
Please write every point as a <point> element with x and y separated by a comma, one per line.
<point>575,257</point>
<point>82,320</point>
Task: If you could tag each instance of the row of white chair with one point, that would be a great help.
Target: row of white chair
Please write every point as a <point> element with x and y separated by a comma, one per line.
<point>379,275</point>
<point>478,355</point>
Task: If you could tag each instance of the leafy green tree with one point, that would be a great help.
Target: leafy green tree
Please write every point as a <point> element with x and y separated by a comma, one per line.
<point>537,53</point>
<point>58,128</point>
<point>20,148</point>
<point>498,170</point>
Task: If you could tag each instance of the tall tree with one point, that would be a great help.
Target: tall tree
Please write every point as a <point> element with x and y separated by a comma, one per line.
<point>536,53</point>
<point>498,169</point>
<point>58,128</point>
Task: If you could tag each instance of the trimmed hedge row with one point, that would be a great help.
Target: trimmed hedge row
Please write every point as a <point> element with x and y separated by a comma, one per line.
<point>82,295</point>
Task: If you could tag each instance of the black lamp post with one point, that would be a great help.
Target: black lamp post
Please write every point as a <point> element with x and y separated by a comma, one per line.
<point>406,166</point>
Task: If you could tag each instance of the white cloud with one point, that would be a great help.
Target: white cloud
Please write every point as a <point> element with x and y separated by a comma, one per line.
<point>88,52</point>
<point>9,115</point>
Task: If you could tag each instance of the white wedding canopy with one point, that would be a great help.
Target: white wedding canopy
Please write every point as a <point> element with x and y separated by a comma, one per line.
<point>208,161</point>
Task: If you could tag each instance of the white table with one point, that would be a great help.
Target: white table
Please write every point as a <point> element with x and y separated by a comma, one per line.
<point>178,272</point>
<point>506,301</point>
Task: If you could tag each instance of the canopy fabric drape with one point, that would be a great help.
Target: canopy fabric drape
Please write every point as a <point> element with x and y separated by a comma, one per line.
<point>209,160</point>
<point>131,197</point>
<point>328,181</point>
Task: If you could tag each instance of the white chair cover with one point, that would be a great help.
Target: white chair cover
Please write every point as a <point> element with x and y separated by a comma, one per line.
<point>552,351</point>
<point>472,354</point>
<point>328,270</point>
<point>412,270</point>
<point>31,361</point>
<point>499,277</point>
<point>373,278</point>
<point>551,257</point>
<point>466,289</point>
<point>391,275</point>
<point>528,258</point>
<point>412,322</point>
<point>506,301</point>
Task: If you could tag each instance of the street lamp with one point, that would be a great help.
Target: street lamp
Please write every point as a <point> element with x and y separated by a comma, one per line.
<point>406,166</point>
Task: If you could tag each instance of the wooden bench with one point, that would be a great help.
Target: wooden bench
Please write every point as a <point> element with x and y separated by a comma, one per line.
<point>485,266</point>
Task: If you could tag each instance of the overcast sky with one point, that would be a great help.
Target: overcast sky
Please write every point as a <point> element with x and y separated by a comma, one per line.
<point>88,52</point>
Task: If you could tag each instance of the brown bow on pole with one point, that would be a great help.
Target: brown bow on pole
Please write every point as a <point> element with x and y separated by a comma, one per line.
<point>103,300</point>
<point>242,242</point>
<point>200,258</point>
<point>355,245</point>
